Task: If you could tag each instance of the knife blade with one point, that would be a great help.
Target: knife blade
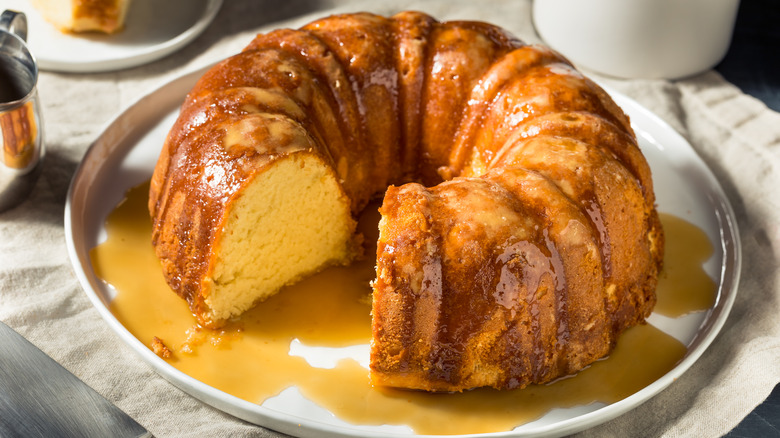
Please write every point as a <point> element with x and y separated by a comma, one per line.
<point>40,398</point>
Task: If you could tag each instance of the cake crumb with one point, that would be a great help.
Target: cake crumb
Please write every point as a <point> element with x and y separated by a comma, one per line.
<point>160,349</point>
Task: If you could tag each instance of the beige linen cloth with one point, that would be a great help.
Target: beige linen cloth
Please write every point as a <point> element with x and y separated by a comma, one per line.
<point>736,135</point>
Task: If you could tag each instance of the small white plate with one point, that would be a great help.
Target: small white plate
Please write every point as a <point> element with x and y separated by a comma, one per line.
<point>125,154</point>
<point>153,29</point>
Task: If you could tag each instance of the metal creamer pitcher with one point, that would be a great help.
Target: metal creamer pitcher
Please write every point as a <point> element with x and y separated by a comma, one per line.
<point>21,125</point>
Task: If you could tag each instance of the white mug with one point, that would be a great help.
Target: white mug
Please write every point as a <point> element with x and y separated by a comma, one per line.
<point>638,38</point>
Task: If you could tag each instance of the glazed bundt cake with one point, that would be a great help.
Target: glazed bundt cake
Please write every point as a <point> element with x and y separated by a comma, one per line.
<point>518,237</point>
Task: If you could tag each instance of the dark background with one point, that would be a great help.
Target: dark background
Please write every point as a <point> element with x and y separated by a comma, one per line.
<point>753,60</point>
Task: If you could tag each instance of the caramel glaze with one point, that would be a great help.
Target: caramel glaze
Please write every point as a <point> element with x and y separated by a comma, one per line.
<point>249,358</point>
<point>686,245</point>
<point>389,100</point>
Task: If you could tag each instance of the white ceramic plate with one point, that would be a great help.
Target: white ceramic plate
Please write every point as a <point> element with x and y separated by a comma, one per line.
<point>153,29</point>
<point>124,156</point>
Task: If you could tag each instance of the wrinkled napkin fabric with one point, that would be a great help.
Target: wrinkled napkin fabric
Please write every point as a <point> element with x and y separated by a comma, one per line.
<point>737,136</point>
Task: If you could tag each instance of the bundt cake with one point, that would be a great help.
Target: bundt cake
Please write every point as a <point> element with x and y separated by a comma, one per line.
<point>518,237</point>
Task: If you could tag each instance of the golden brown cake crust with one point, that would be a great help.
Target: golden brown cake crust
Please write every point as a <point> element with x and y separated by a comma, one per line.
<point>530,240</point>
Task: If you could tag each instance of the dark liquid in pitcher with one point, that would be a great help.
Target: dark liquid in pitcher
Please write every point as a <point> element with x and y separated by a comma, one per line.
<point>13,79</point>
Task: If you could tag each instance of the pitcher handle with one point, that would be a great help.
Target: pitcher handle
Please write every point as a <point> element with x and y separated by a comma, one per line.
<point>15,22</point>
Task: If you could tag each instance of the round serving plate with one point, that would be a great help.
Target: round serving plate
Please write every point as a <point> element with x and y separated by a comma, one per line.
<point>124,156</point>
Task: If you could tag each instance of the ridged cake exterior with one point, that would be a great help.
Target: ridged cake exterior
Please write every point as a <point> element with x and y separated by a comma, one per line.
<point>518,236</point>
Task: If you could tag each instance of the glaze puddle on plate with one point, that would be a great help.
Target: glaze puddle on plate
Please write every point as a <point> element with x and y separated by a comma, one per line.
<point>314,336</point>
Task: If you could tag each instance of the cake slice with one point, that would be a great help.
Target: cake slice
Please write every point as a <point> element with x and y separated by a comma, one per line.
<point>107,16</point>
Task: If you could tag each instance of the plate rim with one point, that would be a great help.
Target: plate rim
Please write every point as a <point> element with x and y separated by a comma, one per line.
<point>293,424</point>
